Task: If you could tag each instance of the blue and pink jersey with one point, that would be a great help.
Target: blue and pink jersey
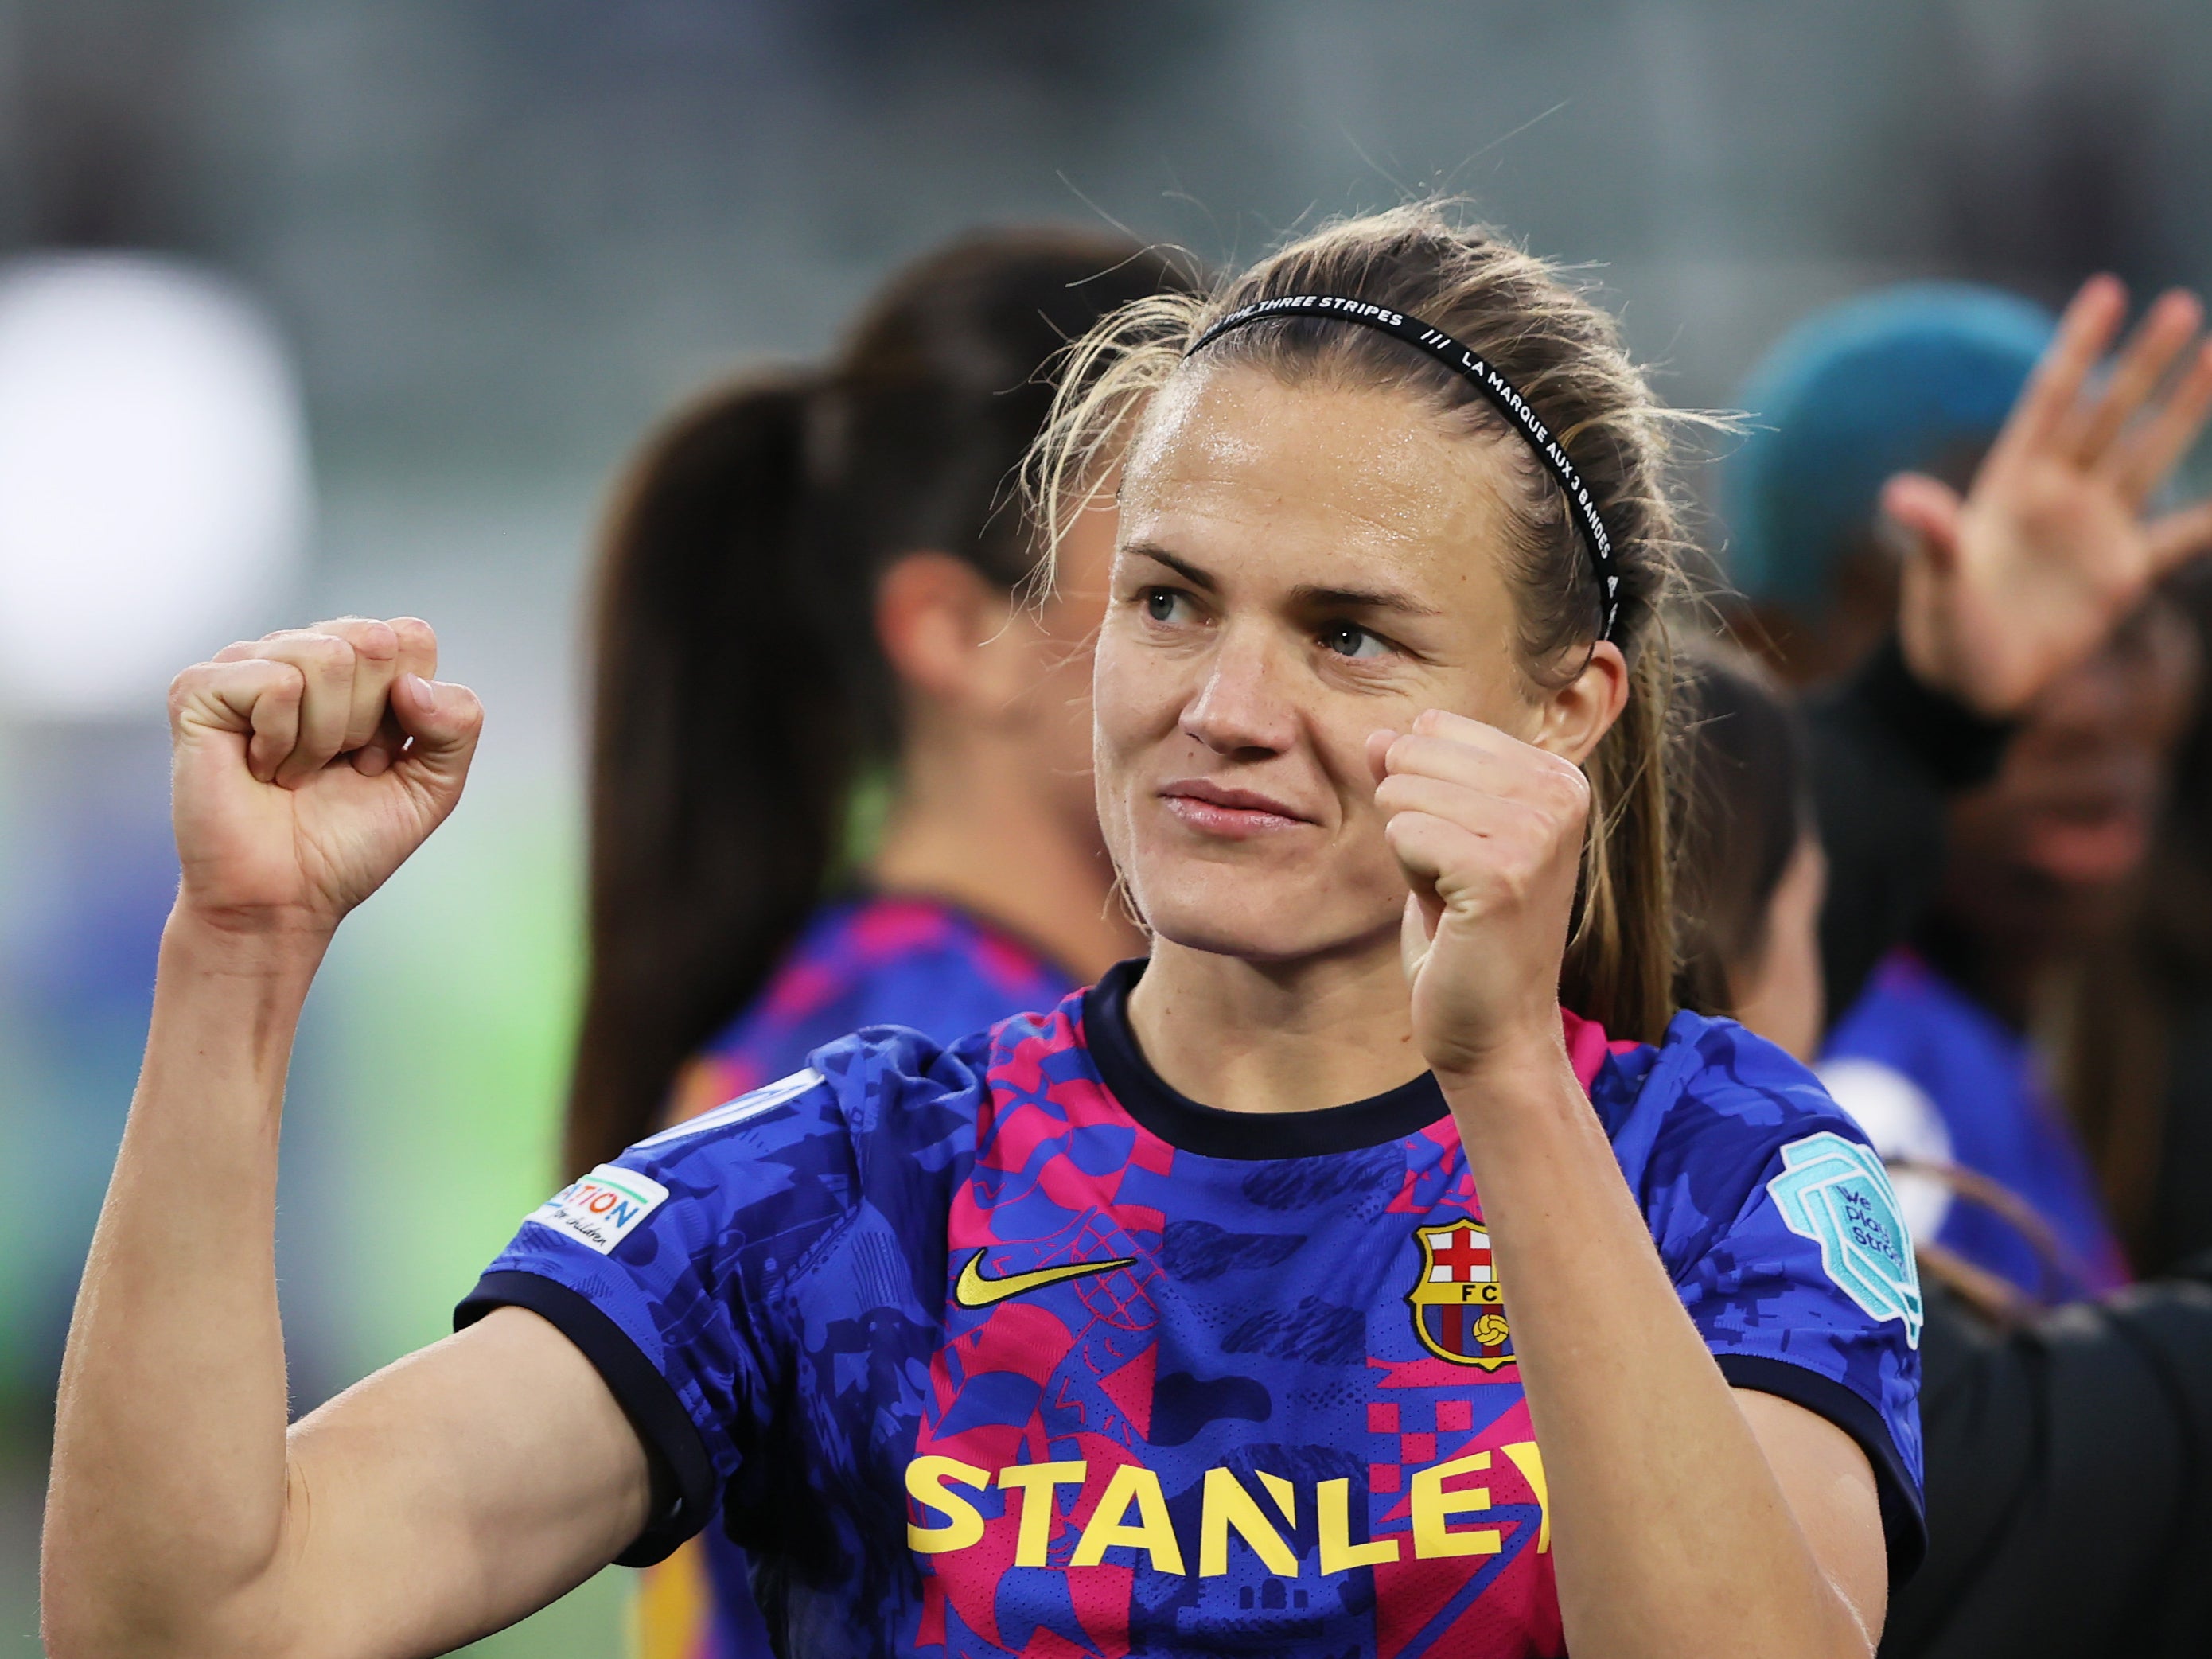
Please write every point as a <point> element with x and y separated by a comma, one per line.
<point>870,959</point>
<point>1004,1347</point>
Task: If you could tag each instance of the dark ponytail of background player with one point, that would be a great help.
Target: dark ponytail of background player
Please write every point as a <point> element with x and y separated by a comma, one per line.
<point>720,753</point>
<point>1747,805</point>
<point>740,693</point>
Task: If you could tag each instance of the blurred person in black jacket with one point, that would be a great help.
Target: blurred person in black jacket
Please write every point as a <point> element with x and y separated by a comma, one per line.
<point>2140,1011</point>
<point>2069,1452</point>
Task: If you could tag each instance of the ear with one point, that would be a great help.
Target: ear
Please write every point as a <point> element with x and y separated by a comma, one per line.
<point>1573,716</point>
<point>944,629</point>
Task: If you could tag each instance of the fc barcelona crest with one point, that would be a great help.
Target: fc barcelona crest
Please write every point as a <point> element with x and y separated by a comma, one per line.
<point>1459,1312</point>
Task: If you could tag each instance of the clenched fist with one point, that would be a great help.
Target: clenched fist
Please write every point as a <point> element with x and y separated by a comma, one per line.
<point>307,765</point>
<point>1489,832</point>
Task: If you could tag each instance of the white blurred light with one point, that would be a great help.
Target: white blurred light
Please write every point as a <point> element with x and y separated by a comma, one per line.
<point>153,477</point>
<point>1903,1123</point>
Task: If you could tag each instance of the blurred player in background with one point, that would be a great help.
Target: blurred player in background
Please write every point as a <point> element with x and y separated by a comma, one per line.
<point>2030,1417</point>
<point>2011,734</point>
<point>2138,1008</point>
<point>810,616</point>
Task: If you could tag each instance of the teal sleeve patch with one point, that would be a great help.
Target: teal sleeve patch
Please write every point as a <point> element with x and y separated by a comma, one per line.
<point>1836,1193</point>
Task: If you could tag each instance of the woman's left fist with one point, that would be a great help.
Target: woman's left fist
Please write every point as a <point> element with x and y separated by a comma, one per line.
<point>1489,832</point>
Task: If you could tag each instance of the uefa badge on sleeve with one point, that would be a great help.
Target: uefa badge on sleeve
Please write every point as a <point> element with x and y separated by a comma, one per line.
<point>1836,1193</point>
<point>1459,1312</point>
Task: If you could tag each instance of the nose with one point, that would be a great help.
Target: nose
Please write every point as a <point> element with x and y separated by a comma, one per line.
<point>2094,703</point>
<point>2119,700</point>
<point>1240,708</point>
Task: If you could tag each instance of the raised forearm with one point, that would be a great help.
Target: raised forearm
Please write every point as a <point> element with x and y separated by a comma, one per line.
<point>168,1493</point>
<point>1671,1532</point>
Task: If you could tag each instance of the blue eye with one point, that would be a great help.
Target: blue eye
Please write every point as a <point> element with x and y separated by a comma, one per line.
<point>1161,604</point>
<point>1346,639</point>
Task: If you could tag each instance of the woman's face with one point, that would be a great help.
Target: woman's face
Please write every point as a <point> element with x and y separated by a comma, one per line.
<point>2041,856</point>
<point>1297,568</point>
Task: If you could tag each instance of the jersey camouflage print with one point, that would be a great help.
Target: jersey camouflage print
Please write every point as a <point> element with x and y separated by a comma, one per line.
<point>867,959</point>
<point>1004,1347</point>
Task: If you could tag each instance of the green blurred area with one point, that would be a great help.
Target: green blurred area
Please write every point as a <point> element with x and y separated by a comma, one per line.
<point>447,1011</point>
<point>450,1009</point>
<point>428,1086</point>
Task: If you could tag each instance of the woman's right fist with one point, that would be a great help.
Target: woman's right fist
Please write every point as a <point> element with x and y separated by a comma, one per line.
<point>307,764</point>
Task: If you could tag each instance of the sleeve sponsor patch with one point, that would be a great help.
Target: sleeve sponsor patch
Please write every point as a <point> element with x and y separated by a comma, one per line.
<point>602,1209</point>
<point>1836,1193</point>
<point>737,1110</point>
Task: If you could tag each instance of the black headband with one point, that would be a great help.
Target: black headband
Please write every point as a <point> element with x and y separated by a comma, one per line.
<point>1436,344</point>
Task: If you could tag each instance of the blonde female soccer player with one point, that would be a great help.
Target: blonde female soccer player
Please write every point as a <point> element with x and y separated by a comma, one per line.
<point>1382,1267</point>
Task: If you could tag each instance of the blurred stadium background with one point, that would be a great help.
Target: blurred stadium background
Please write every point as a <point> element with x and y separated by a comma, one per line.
<point>386,290</point>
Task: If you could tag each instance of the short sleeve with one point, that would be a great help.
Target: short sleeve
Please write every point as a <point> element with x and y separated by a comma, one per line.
<point>1784,1239</point>
<point>643,1265</point>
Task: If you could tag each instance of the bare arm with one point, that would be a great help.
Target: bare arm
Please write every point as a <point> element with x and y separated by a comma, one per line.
<point>1687,1519</point>
<point>443,1497</point>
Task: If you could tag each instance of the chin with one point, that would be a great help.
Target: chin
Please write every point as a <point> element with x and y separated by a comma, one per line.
<point>1262,921</point>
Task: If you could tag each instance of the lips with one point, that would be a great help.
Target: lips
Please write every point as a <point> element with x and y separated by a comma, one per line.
<point>2084,849</point>
<point>1217,809</point>
<point>2088,827</point>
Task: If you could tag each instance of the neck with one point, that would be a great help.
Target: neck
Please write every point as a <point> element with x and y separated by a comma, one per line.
<point>1249,1036</point>
<point>966,834</point>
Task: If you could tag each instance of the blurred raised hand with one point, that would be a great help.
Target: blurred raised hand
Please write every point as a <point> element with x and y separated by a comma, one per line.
<point>307,765</point>
<point>2006,587</point>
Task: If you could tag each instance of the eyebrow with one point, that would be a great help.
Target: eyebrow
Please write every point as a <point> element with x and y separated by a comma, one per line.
<point>1361,598</point>
<point>1306,595</point>
<point>1182,567</point>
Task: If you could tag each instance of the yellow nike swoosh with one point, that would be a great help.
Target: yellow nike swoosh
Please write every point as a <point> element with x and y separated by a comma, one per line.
<point>974,1291</point>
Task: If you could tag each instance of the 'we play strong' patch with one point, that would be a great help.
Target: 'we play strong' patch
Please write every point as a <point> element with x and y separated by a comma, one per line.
<point>1836,1193</point>
<point>602,1208</point>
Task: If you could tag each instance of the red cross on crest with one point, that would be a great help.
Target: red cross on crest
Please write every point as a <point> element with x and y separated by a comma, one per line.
<point>1459,1311</point>
<point>1462,1251</point>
